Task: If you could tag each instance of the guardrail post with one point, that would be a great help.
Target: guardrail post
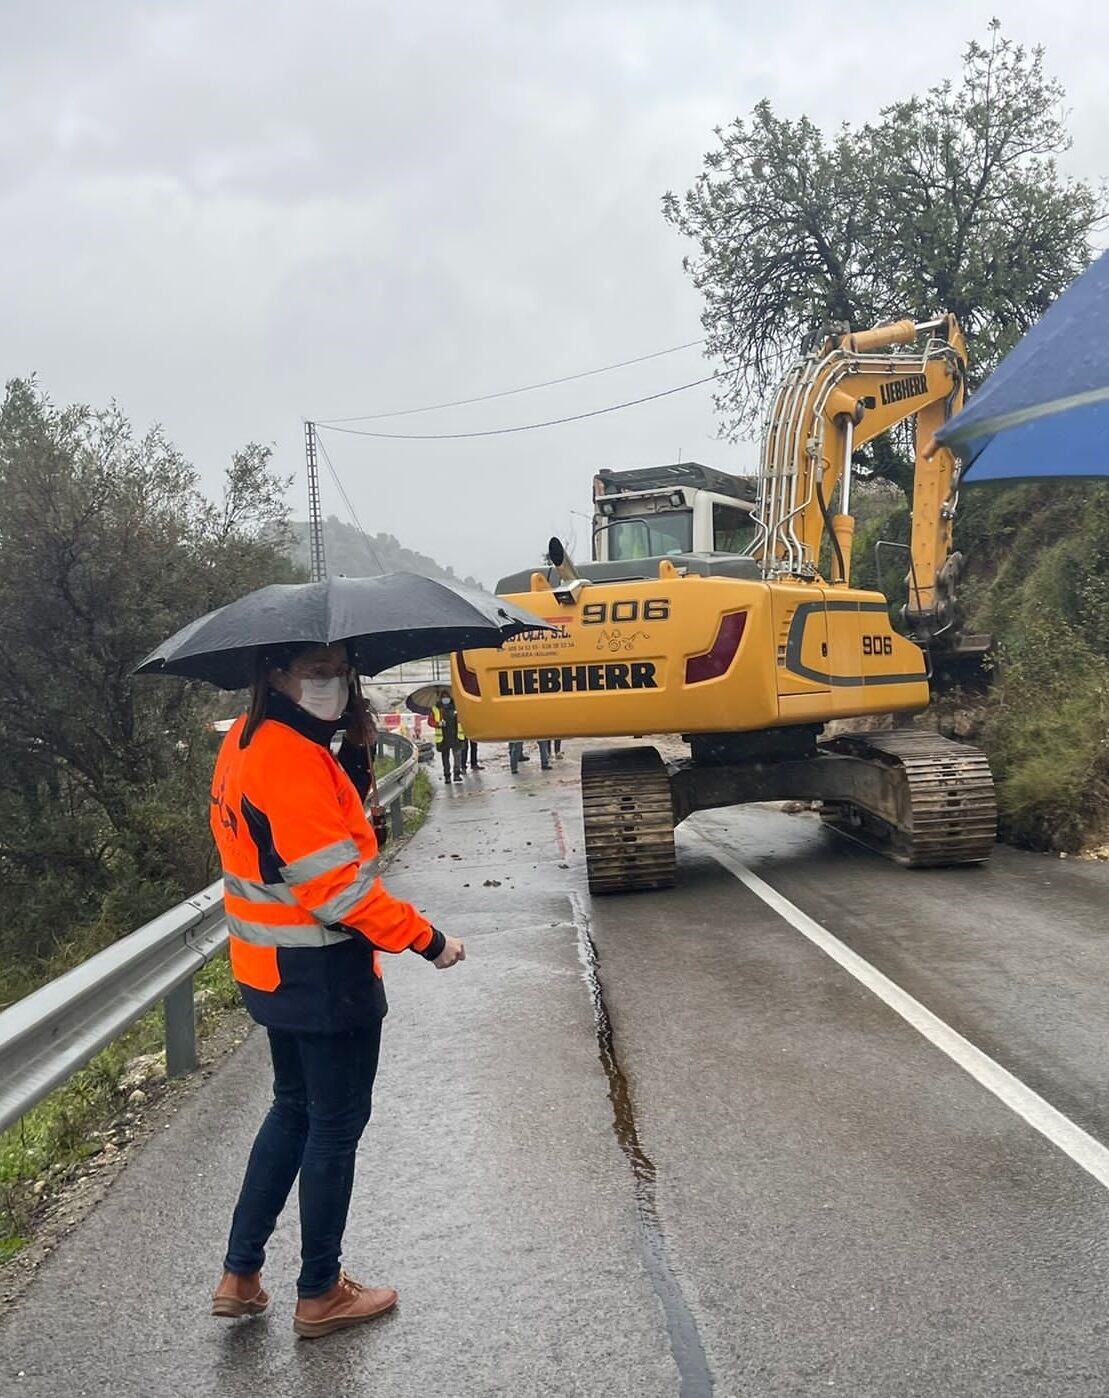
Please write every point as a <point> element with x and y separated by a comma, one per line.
<point>180,1030</point>
<point>396,817</point>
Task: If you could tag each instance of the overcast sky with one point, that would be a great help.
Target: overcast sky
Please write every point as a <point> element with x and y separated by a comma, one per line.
<point>234,214</point>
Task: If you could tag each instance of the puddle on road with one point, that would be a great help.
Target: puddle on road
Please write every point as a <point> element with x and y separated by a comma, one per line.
<point>696,1380</point>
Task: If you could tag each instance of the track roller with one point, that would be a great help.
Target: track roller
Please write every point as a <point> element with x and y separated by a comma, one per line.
<point>939,807</point>
<point>629,820</point>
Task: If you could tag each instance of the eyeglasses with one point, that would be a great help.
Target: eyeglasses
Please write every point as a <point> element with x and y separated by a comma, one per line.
<point>321,670</point>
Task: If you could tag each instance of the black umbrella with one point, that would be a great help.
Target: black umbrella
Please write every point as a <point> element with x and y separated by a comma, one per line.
<point>424,699</point>
<point>387,620</point>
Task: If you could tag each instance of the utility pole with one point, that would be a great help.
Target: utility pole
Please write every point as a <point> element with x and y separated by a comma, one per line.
<point>317,562</point>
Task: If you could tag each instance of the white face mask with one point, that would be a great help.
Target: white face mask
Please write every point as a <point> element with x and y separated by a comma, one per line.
<point>324,699</point>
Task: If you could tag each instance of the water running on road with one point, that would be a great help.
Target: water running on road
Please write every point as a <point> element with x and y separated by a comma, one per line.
<point>696,1380</point>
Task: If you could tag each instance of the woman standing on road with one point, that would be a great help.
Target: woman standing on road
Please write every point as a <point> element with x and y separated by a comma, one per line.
<point>308,916</point>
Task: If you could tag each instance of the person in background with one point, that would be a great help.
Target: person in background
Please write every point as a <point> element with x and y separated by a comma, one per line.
<point>516,755</point>
<point>449,737</point>
<point>558,747</point>
<point>308,917</point>
<point>468,751</point>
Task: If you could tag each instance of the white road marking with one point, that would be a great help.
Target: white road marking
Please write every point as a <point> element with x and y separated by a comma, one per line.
<point>1070,1138</point>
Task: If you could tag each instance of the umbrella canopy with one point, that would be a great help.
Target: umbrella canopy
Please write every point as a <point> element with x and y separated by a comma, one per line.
<point>424,699</point>
<point>387,620</point>
<point>1044,411</point>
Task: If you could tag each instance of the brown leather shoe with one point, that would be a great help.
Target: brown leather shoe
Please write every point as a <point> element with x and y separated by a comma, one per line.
<point>347,1303</point>
<point>238,1295</point>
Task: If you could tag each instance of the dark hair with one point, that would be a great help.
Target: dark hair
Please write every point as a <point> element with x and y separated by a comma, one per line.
<point>361,725</point>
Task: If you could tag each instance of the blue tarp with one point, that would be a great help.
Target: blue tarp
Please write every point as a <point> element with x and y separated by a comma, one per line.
<point>1044,411</point>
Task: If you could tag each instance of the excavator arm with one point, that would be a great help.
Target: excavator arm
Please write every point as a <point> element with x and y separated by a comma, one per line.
<point>850,390</point>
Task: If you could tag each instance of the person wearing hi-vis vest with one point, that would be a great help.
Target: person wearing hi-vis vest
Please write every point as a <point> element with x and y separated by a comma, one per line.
<point>308,919</point>
<point>449,737</point>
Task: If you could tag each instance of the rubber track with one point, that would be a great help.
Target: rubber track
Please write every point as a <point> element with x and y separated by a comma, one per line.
<point>950,798</point>
<point>629,820</point>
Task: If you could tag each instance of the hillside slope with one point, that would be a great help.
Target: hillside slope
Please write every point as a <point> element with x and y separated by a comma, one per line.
<point>1037,581</point>
<point>348,553</point>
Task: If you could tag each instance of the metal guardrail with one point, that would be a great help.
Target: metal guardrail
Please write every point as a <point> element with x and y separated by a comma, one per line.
<point>46,1037</point>
<point>391,788</point>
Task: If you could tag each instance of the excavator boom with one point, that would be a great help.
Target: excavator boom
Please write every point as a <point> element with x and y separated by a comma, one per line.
<point>855,388</point>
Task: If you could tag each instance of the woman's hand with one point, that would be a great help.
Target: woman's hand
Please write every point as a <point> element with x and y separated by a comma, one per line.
<point>453,951</point>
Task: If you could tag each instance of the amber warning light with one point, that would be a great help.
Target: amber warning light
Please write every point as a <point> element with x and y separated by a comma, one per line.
<point>714,663</point>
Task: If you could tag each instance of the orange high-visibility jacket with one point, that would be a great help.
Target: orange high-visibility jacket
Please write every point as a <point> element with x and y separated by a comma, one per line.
<point>306,910</point>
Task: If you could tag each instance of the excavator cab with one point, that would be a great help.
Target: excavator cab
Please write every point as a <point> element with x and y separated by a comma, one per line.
<point>659,511</point>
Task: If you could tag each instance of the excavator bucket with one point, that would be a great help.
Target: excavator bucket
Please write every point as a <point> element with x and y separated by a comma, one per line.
<point>967,664</point>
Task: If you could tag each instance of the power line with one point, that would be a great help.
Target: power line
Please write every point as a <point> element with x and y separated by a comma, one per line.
<point>523,427</point>
<point>350,507</point>
<point>509,392</point>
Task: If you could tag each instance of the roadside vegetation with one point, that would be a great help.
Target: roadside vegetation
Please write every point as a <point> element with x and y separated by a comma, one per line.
<point>1040,587</point>
<point>107,545</point>
<point>1037,583</point>
<point>951,200</point>
<point>419,802</point>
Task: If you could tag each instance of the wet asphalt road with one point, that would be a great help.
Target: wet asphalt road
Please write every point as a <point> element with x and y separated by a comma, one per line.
<point>656,1145</point>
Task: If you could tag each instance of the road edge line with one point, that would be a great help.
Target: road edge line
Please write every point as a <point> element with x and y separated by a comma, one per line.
<point>1085,1150</point>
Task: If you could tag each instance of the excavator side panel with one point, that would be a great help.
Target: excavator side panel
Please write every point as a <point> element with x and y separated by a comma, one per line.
<point>620,663</point>
<point>690,654</point>
<point>872,669</point>
<point>839,657</point>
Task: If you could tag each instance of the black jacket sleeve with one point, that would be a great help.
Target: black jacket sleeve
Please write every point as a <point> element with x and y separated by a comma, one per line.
<point>435,946</point>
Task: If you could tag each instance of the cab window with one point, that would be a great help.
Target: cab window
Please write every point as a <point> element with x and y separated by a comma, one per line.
<point>732,529</point>
<point>650,536</point>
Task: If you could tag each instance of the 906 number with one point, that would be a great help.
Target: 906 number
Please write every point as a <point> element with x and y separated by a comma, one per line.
<point>601,613</point>
<point>877,645</point>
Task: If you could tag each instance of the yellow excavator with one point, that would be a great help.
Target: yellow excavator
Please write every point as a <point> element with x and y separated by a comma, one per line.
<point>748,656</point>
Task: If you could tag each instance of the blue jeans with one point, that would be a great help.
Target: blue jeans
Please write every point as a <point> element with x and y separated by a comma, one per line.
<point>516,752</point>
<point>322,1095</point>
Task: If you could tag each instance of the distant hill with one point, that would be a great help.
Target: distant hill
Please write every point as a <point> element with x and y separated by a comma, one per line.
<point>349,553</point>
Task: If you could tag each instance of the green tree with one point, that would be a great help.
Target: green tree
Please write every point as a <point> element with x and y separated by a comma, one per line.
<point>107,546</point>
<point>949,201</point>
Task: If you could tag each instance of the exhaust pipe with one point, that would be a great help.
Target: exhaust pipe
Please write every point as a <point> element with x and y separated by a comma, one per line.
<point>561,560</point>
<point>571,580</point>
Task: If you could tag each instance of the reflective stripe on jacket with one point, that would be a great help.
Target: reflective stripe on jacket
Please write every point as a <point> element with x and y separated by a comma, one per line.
<point>306,910</point>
